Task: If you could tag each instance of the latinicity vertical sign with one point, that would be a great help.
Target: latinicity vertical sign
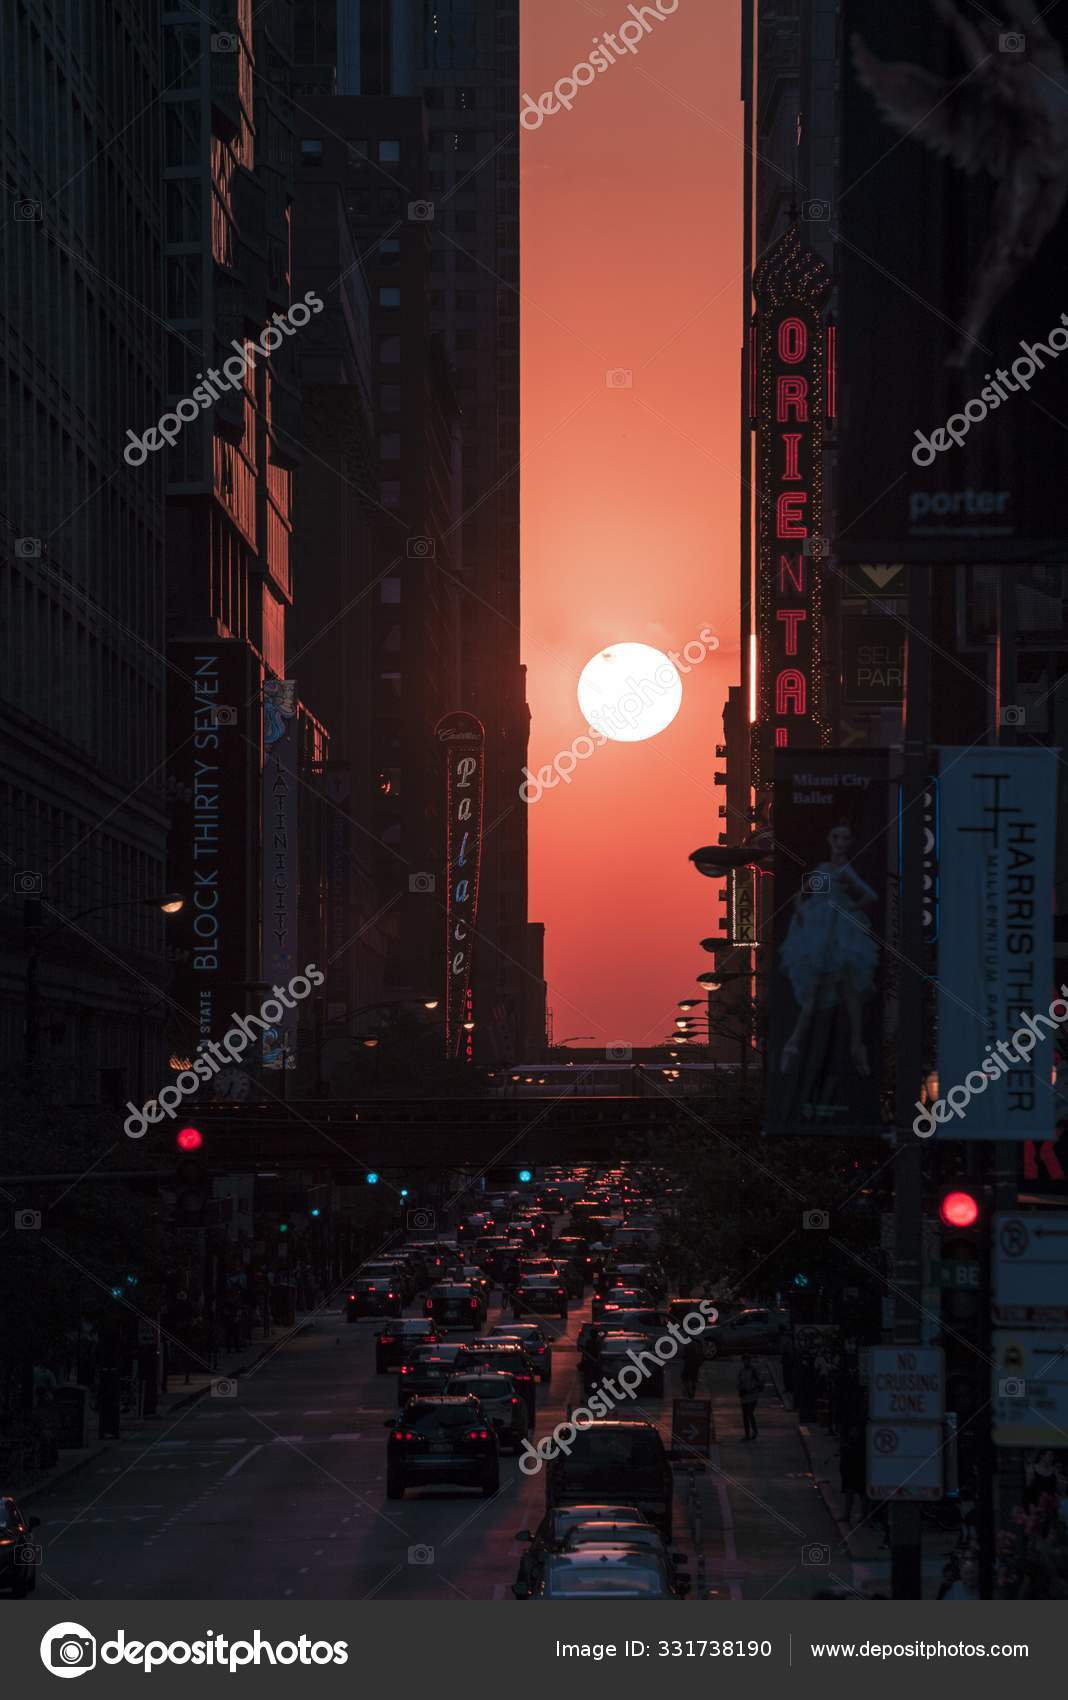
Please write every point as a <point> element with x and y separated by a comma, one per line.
<point>463,741</point>
<point>280,864</point>
<point>793,382</point>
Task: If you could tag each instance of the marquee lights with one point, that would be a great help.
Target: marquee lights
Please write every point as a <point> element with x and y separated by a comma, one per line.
<point>463,740</point>
<point>794,369</point>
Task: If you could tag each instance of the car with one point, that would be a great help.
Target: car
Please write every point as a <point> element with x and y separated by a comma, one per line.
<point>603,1573</point>
<point>18,1553</point>
<point>614,1460</point>
<point>621,1298</point>
<point>391,1272</point>
<point>478,1279</point>
<point>457,1303</point>
<point>372,1298</point>
<point>678,1308</point>
<point>501,1401</point>
<point>441,1439</point>
<point>434,1255</point>
<point>536,1295</point>
<point>426,1371</point>
<point>615,1352</point>
<point>646,1320</point>
<point>557,1523</point>
<point>753,1330</point>
<point>397,1338</point>
<point>535,1339</point>
<point>502,1355</point>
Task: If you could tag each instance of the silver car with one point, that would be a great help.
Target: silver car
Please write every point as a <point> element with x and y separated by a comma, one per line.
<point>500,1399</point>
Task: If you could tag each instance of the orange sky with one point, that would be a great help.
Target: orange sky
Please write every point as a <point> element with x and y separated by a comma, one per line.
<point>631,260</point>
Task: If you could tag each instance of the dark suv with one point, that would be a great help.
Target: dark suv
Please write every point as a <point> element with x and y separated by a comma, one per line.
<point>508,1358</point>
<point>397,1339</point>
<point>438,1440</point>
<point>620,1461</point>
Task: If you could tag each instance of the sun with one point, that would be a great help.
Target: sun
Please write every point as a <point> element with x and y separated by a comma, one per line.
<point>630,692</point>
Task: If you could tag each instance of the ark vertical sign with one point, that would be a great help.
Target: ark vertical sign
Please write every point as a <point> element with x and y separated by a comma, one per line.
<point>463,741</point>
<point>793,380</point>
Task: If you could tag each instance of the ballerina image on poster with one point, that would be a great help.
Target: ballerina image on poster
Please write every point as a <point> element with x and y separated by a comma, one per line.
<point>829,955</point>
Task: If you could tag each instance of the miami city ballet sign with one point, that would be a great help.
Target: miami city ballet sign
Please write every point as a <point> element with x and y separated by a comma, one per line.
<point>463,741</point>
<point>792,378</point>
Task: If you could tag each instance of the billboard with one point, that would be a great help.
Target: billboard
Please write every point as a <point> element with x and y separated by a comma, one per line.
<point>463,742</point>
<point>873,660</point>
<point>998,1019</point>
<point>790,374</point>
<point>213,780</point>
<point>280,859</point>
<point>832,843</point>
<point>951,253</point>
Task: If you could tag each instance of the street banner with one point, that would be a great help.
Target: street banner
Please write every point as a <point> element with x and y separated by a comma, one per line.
<point>280,860</point>
<point>213,786</point>
<point>463,741</point>
<point>998,1015</point>
<point>832,839</point>
<point>951,229</point>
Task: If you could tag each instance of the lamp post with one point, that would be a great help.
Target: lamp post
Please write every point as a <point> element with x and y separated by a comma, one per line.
<point>168,903</point>
<point>369,1042</point>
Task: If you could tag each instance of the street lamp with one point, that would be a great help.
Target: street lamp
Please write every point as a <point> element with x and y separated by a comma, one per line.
<point>168,902</point>
<point>715,861</point>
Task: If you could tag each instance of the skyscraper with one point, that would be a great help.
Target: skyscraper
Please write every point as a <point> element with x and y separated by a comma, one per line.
<point>462,57</point>
<point>82,808</point>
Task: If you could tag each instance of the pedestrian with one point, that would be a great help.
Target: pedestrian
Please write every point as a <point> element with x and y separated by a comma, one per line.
<point>749,1388</point>
<point>967,1587</point>
<point>693,1356</point>
<point>852,1462</point>
<point>788,1361</point>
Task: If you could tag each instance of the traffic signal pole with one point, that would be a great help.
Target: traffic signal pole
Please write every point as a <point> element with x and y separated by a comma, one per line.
<point>906,1550</point>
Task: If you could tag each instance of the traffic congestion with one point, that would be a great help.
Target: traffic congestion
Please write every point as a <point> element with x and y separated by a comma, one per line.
<point>488,1411</point>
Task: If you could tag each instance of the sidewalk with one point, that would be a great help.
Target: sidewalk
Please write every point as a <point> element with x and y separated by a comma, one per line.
<point>180,1393</point>
<point>863,1541</point>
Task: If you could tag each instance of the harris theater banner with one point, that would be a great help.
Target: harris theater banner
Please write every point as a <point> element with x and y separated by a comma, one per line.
<point>999,1013</point>
<point>952,255</point>
<point>832,847</point>
<point>463,741</point>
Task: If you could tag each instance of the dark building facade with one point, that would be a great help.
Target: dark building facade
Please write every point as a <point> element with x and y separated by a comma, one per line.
<point>462,59</point>
<point>82,685</point>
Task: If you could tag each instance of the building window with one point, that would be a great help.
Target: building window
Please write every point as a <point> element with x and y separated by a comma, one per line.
<point>311,151</point>
<point>389,296</point>
<point>390,589</point>
<point>388,152</point>
<point>389,398</point>
<point>389,252</point>
<point>391,493</point>
<point>389,445</point>
<point>389,351</point>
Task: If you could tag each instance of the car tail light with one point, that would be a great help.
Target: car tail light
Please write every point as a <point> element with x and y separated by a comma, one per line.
<point>406,1369</point>
<point>352,1298</point>
<point>372,1289</point>
<point>474,1304</point>
<point>387,1340</point>
<point>402,1434</point>
<point>477,1434</point>
<point>515,1399</point>
<point>391,1295</point>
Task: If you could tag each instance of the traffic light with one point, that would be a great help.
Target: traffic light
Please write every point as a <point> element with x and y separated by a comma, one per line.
<point>192,1186</point>
<point>963,1273</point>
<point>526,1175</point>
<point>372,1177</point>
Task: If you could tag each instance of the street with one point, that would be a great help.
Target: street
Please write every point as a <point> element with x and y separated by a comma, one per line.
<point>278,1491</point>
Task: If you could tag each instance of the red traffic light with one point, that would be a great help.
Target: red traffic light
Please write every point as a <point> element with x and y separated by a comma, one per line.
<point>959,1210</point>
<point>189,1139</point>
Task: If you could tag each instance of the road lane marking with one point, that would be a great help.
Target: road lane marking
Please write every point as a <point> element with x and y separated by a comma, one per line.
<point>251,1453</point>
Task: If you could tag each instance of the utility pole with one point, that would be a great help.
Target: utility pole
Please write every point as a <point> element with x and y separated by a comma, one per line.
<point>906,1549</point>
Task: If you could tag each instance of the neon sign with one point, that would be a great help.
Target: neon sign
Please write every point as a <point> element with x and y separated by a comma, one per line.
<point>790,360</point>
<point>464,742</point>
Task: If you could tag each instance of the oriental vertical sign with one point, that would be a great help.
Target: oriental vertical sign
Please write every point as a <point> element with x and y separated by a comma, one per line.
<point>280,859</point>
<point>464,744</point>
<point>791,375</point>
